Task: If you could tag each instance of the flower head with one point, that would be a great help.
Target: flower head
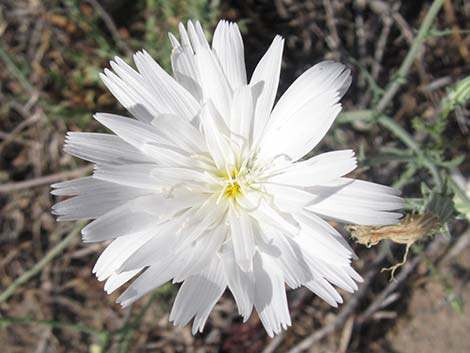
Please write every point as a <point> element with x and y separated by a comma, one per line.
<point>206,185</point>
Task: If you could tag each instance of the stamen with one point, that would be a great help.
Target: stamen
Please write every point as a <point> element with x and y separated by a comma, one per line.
<point>221,194</point>
<point>229,174</point>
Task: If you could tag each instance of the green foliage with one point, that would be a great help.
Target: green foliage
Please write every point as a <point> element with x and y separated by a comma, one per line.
<point>458,96</point>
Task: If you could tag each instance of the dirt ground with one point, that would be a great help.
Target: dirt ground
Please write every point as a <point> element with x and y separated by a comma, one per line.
<point>431,324</point>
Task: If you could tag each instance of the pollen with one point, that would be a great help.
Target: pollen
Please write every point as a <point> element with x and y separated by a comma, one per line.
<point>233,190</point>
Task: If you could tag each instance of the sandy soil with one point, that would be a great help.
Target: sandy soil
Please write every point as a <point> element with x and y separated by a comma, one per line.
<point>431,324</point>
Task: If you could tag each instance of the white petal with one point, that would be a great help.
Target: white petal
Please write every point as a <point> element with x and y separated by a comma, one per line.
<point>180,132</point>
<point>240,283</point>
<point>185,69</point>
<point>170,96</point>
<point>118,251</point>
<point>91,186</point>
<point>87,207</point>
<point>318,247</point>
<point>131,100</point>
<point>131,131</point>
<point>170,156</point>
<point>137,215</point>
<point>325,76</point>
<point>324,290</point>
<point>132,175</point>
<point>102,148</point>
<point>116,223</point>
<point>264,212</point>
<point>228,46</point>
<point>78,186</point>
<point>116,280</point>
<point>197,253</point>
<point>198,295</point>
<point>357,201</point>
<point>158,250</point>
<point>289,199</point>
<point>321,168</point>
<point>201,35</point>
<point>134,85</point>
<point>184,36</point>
<point>267,73</point>
<point>336,275</point>
<point>330,242</point>
<point>304,130</point>
<point>325,268</point>
<point>95,198</point>
<point>152,278</point>
<point>177,176</point>
<point>270,294</point>
<point>201,219</point>
<point>215,86</point>
<point>242,233</point>
<point>216,134</point>
<point>287,256</point>
<point>197,37</point>
<point>151,177</point>
<point>241,120</point>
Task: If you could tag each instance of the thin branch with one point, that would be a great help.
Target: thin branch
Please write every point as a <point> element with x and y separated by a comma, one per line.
<point>48,179</point>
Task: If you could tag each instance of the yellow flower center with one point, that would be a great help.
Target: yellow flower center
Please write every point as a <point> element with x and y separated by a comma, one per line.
<point>233,190</point>
<point>232,187</point>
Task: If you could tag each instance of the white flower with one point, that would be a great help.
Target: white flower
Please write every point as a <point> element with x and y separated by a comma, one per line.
<point>207,185</point>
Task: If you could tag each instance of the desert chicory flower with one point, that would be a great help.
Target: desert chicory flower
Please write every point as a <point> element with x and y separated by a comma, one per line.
<point>207,185</point>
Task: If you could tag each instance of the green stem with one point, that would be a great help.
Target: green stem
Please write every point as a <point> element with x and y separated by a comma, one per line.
<point>355,115</point>
<point>458,191</point>
<point>408,140</point>
<point>399,132</point>
<point>6,321</point>
<point>405,177</point>
<point>55,251</point>
<point>395,84</point>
